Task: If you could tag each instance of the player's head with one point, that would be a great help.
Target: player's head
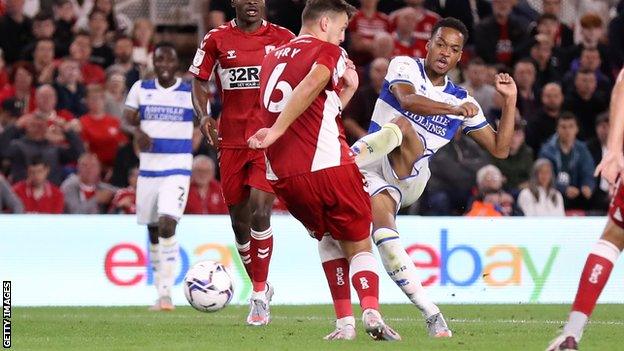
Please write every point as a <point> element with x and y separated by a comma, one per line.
<point>165,61</point>
<point>327,19</point>
<point>249,11</point>
<point>445,47</point>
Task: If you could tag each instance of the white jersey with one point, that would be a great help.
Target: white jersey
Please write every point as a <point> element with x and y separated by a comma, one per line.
<point>167,117</point>
<point>436,131</point>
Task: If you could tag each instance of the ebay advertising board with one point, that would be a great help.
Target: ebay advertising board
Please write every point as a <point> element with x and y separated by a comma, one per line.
<point>103,260</point>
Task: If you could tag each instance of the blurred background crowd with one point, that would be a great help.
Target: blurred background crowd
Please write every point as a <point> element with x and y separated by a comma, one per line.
<point>67,65</point>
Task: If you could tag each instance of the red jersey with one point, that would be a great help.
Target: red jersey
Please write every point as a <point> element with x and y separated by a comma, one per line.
<point>92,74</point>
<point>367,27</point>
<point>421,35</point>
<point>237,56</point>
<point>210,203</point>
<point>102,137</point>
<point>315,140</point>
<point>52,200</point>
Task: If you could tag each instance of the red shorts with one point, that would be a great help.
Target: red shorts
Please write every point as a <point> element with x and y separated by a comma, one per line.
<point>331,200</point>
<point>616,208</point>
<point>242,169</point>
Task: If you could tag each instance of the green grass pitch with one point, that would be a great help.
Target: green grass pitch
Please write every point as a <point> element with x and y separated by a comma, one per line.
<point>476,327</point>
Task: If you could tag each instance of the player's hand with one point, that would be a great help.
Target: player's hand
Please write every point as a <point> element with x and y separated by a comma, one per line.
<point>586,191</point>
<point>505,86</point>
<point>143,140</point>
<point>467,109</point>
<point>572,192</point>
<point>208,128</point>
<point>611,166</point>
<point>263,138</point>
<point>350,78</point>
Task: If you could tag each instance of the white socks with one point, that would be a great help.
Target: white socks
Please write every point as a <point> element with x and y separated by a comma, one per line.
<point>154,255</point>
<point>401,269</point>
<point>374,146</point>
<point>576,324</point>
<point>169,251</point>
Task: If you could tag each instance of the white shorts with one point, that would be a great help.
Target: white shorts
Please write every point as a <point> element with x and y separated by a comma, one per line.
<point>380,176</point>
<point>157,196</point>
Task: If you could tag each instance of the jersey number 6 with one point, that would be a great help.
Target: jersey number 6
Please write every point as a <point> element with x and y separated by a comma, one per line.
<point>272,85</point>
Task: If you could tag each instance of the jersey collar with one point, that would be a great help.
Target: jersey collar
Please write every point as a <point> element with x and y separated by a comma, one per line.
<point>171,88</point>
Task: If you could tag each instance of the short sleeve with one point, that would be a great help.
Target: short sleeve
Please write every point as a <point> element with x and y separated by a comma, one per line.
<point>404,69</point>
<point>132,100</point>
<point>334,58</point>
<point>205,57</point>
<point>476,122</point>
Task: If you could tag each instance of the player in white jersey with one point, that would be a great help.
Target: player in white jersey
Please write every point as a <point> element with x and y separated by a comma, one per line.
<point>418,111</point>
<point>162,111</point>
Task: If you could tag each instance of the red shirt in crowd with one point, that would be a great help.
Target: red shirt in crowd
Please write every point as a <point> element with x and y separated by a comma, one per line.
<point>52,200</point>
<point>102,136</point>
<point>211,203</point>
<point>504,48</point>
<point>367,28</point>
<point>8,91</point>
<point>92,74</point>
<point>420,37</point>
<point>120,195</point>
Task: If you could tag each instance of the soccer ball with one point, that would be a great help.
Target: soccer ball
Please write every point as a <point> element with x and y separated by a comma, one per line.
<point>208,286</point>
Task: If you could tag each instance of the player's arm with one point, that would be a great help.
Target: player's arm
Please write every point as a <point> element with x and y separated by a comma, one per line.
<point>201,104</point>
<point>131,116</point>
<point>612,163</point>
<point>301,98</point>
<point>498,143</point>
<point>350,82</point>
<point>409,100</point>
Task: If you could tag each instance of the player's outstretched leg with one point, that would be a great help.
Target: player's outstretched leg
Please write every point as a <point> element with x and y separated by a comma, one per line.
<point>169,254</point>
<point>154,257</point>
<point>374,146</point>
<point>336,269</point>
<point>365,281</point>
<point>400,266</point>
<point>260,204</point>
<point>595,275</point>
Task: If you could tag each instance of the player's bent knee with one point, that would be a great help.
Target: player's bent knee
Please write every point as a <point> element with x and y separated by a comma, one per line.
<point>404,125</point>
<point>614,234</point>
<point>166,226</point>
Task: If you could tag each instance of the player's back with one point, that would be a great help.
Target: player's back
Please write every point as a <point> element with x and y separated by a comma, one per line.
<point>316,139</point>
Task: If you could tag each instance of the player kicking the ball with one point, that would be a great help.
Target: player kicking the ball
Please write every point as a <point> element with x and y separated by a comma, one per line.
<point>605,251</point>
<point>236,49</point>
<point>308,160</point>
<point>418,111</point>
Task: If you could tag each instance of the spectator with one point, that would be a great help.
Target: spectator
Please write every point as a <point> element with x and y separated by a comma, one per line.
<point>21,85</point>
<point>363,27</point>
<point>19,26</point>
<point>477,84</point>
<point>57,120</point>
<point>101,53</point>
<point>85,193</point>
<point>117,23</point>
<point>597,147</point>
<point>205,193</point>
<point>115,95</point>
<point>37,193</point>
<point>592,33</point>
<point>357,114</point>
<point>219,12</point>
<point>491,198</point>
<point>143,49</point>
<point>524,75</point>
<point>497,36</point>
<point>586,102</point>
<point>65,19</point>
<point>544,125</point>
<point>616,39</point>
<point>424,21</point>
<point>10,111</point>
<point>383,46</point>
<point>541,198</point>
<point>4,71</point>
<point>589,61</point>
<point>43,61</point>
<point>564,36</point>
<point>124,63</point>
<point>124,201</point>
<point>125,159</point>
<point>453,170</point>
<point>405,40</point>
<point>516,166</point>
<point>80,51</point>
<point>572,163</point>
<point>9,201</point>
<point>548,69</point>
<point>42,28</point>
<point>69,90</point>
<point>34,142</point>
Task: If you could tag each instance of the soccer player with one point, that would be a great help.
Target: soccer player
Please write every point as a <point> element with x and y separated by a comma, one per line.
<point>418,111</point>
<point>605,251</point>
<point>162,112</point>
<point>303,86</point>
<point>236,49</point>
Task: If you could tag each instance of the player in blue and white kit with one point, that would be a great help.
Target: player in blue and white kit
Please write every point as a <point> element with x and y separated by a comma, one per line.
<point>418,111</point>
<point>162,111</point>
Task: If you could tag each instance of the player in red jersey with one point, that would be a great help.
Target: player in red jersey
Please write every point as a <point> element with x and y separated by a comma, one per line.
<point>309,163</point>
<point>235,51</point>
<point>606,251</point>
